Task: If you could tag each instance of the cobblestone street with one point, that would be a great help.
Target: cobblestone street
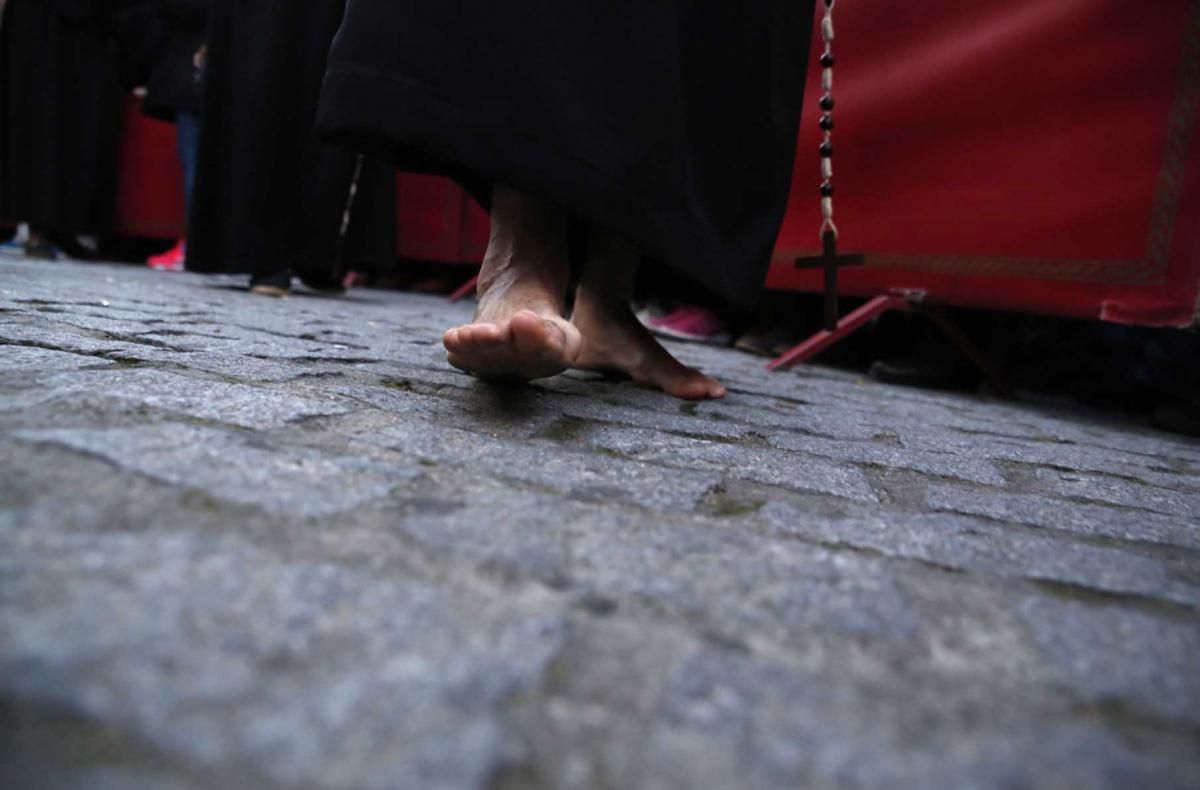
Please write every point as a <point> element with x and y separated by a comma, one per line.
<point>281,544</point>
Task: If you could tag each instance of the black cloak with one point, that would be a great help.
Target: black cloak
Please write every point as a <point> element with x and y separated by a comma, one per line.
<point>270,196</point>
<point>672,124</point>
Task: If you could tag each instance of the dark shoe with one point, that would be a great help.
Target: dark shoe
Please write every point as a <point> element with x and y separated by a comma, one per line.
<point>926,374</point>
<point>41,248</point>
<point>768,343</point>
<point>325,284</point>
<point>275,285</point>
<point>1181,418</point>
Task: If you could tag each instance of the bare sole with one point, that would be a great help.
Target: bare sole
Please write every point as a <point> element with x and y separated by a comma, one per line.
<point>526,347</point>
<point>274,291</point>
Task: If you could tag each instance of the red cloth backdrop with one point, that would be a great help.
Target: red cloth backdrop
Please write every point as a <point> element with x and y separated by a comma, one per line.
<point>1025,155</point>
<point>150,185</point>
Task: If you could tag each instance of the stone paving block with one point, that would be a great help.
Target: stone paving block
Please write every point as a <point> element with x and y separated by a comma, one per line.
<point>951,465</point>
<point>1072,457</point>
<point>496,413</point>
<point>816,730</point>
<point>723,581</point>
<point>235,468</point>
<point>203,398</point>
<point>101,325</point>
<point>1041,511</point>
<point>44,335</point>
<point>809,729</point>
<point>970,544</point>
<point>1096,429</point>
<point>803,419</point>
<point>23,359</point>
<point>250,370</point>
<point>698,422</point>
<point>579,475</point>
<point>299,673</point>
<point>1096,488</point>
<point>756,463</point>
<point>277,346</point>
<point>1138,662</point>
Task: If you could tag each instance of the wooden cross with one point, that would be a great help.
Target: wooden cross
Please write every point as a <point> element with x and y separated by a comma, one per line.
<point>830,261</point>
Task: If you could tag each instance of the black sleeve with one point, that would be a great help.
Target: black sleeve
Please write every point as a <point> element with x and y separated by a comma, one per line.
<point>189,14</point>
<point>140,38</point>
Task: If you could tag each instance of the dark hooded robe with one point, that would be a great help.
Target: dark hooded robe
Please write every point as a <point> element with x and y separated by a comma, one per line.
<point>60,114</point>
<point>270,196</point>
<point>672,124</point>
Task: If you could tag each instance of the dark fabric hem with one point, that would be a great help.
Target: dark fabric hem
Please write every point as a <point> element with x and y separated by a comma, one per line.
<point>373,112</point>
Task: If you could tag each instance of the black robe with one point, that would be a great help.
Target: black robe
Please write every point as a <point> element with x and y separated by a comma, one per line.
<point>171,84</point>
<point>60,112</point>
<point>270,196</point>
<point>671,123</point>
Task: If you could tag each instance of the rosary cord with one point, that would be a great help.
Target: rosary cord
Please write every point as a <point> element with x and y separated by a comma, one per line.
<point>827,61</point>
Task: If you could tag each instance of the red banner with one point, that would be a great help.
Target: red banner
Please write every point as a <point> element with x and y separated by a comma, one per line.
<point>1024,155</point>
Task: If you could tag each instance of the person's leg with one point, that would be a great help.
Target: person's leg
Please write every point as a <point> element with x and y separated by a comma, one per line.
<point>613,339</point>
<point>40,244</point>
<point>519,332</point>
<point>187,138</point>
<point>187,130</point>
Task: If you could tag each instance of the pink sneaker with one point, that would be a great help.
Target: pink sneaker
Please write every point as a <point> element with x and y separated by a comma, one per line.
<point>694,324</point>
<point>171,260</point>
<point>649,312</point>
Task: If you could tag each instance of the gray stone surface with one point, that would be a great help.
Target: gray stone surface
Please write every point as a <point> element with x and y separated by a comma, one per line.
<point>280,544</point>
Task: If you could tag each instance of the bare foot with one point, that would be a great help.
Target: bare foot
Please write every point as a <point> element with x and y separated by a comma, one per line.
<point>513,346</point>
<point>614,340</point>
<point>519,332</point>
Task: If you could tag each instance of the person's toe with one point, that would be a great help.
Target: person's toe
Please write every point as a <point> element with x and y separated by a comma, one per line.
<point>481,335</point>
<point>529,327</point>
<point>694,385</point>
<point>540,341</point>
<point>689,389</point>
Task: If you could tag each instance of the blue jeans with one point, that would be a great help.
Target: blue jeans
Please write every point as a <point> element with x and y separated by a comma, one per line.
<point>187,132</point>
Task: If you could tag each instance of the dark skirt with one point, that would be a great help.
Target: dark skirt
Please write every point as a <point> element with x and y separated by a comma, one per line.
<point>60,112</point>
<point>270,196</point>
<point>671,124</point>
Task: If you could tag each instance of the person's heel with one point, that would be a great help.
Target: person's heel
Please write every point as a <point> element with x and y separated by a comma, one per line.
<point>275,285</point>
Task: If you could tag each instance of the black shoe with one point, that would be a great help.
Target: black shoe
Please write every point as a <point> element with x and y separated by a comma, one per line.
<point>41,248</point>
<point>926,374</point>
<point>1181,418</point>
<point>325,284</point>
<point>275,285</point>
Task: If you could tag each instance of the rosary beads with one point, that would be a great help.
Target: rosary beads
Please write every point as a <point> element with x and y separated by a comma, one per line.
<point>826,121</point>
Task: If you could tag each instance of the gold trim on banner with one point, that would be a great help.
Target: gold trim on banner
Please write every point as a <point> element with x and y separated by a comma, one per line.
<point>1111,272</point>
<point>1180,129</point>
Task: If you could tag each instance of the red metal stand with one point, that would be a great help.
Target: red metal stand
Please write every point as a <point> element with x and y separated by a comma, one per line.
<point>882,304</point>
<point>847,326</point>
<point>464,289</point>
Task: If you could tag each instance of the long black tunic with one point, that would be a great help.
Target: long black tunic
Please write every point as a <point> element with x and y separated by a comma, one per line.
<point>60,111</point>
<point>270,195</point>
<point>672,123</point>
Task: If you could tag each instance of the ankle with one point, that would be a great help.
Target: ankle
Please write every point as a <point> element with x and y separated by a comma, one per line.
<point>608,302</point>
